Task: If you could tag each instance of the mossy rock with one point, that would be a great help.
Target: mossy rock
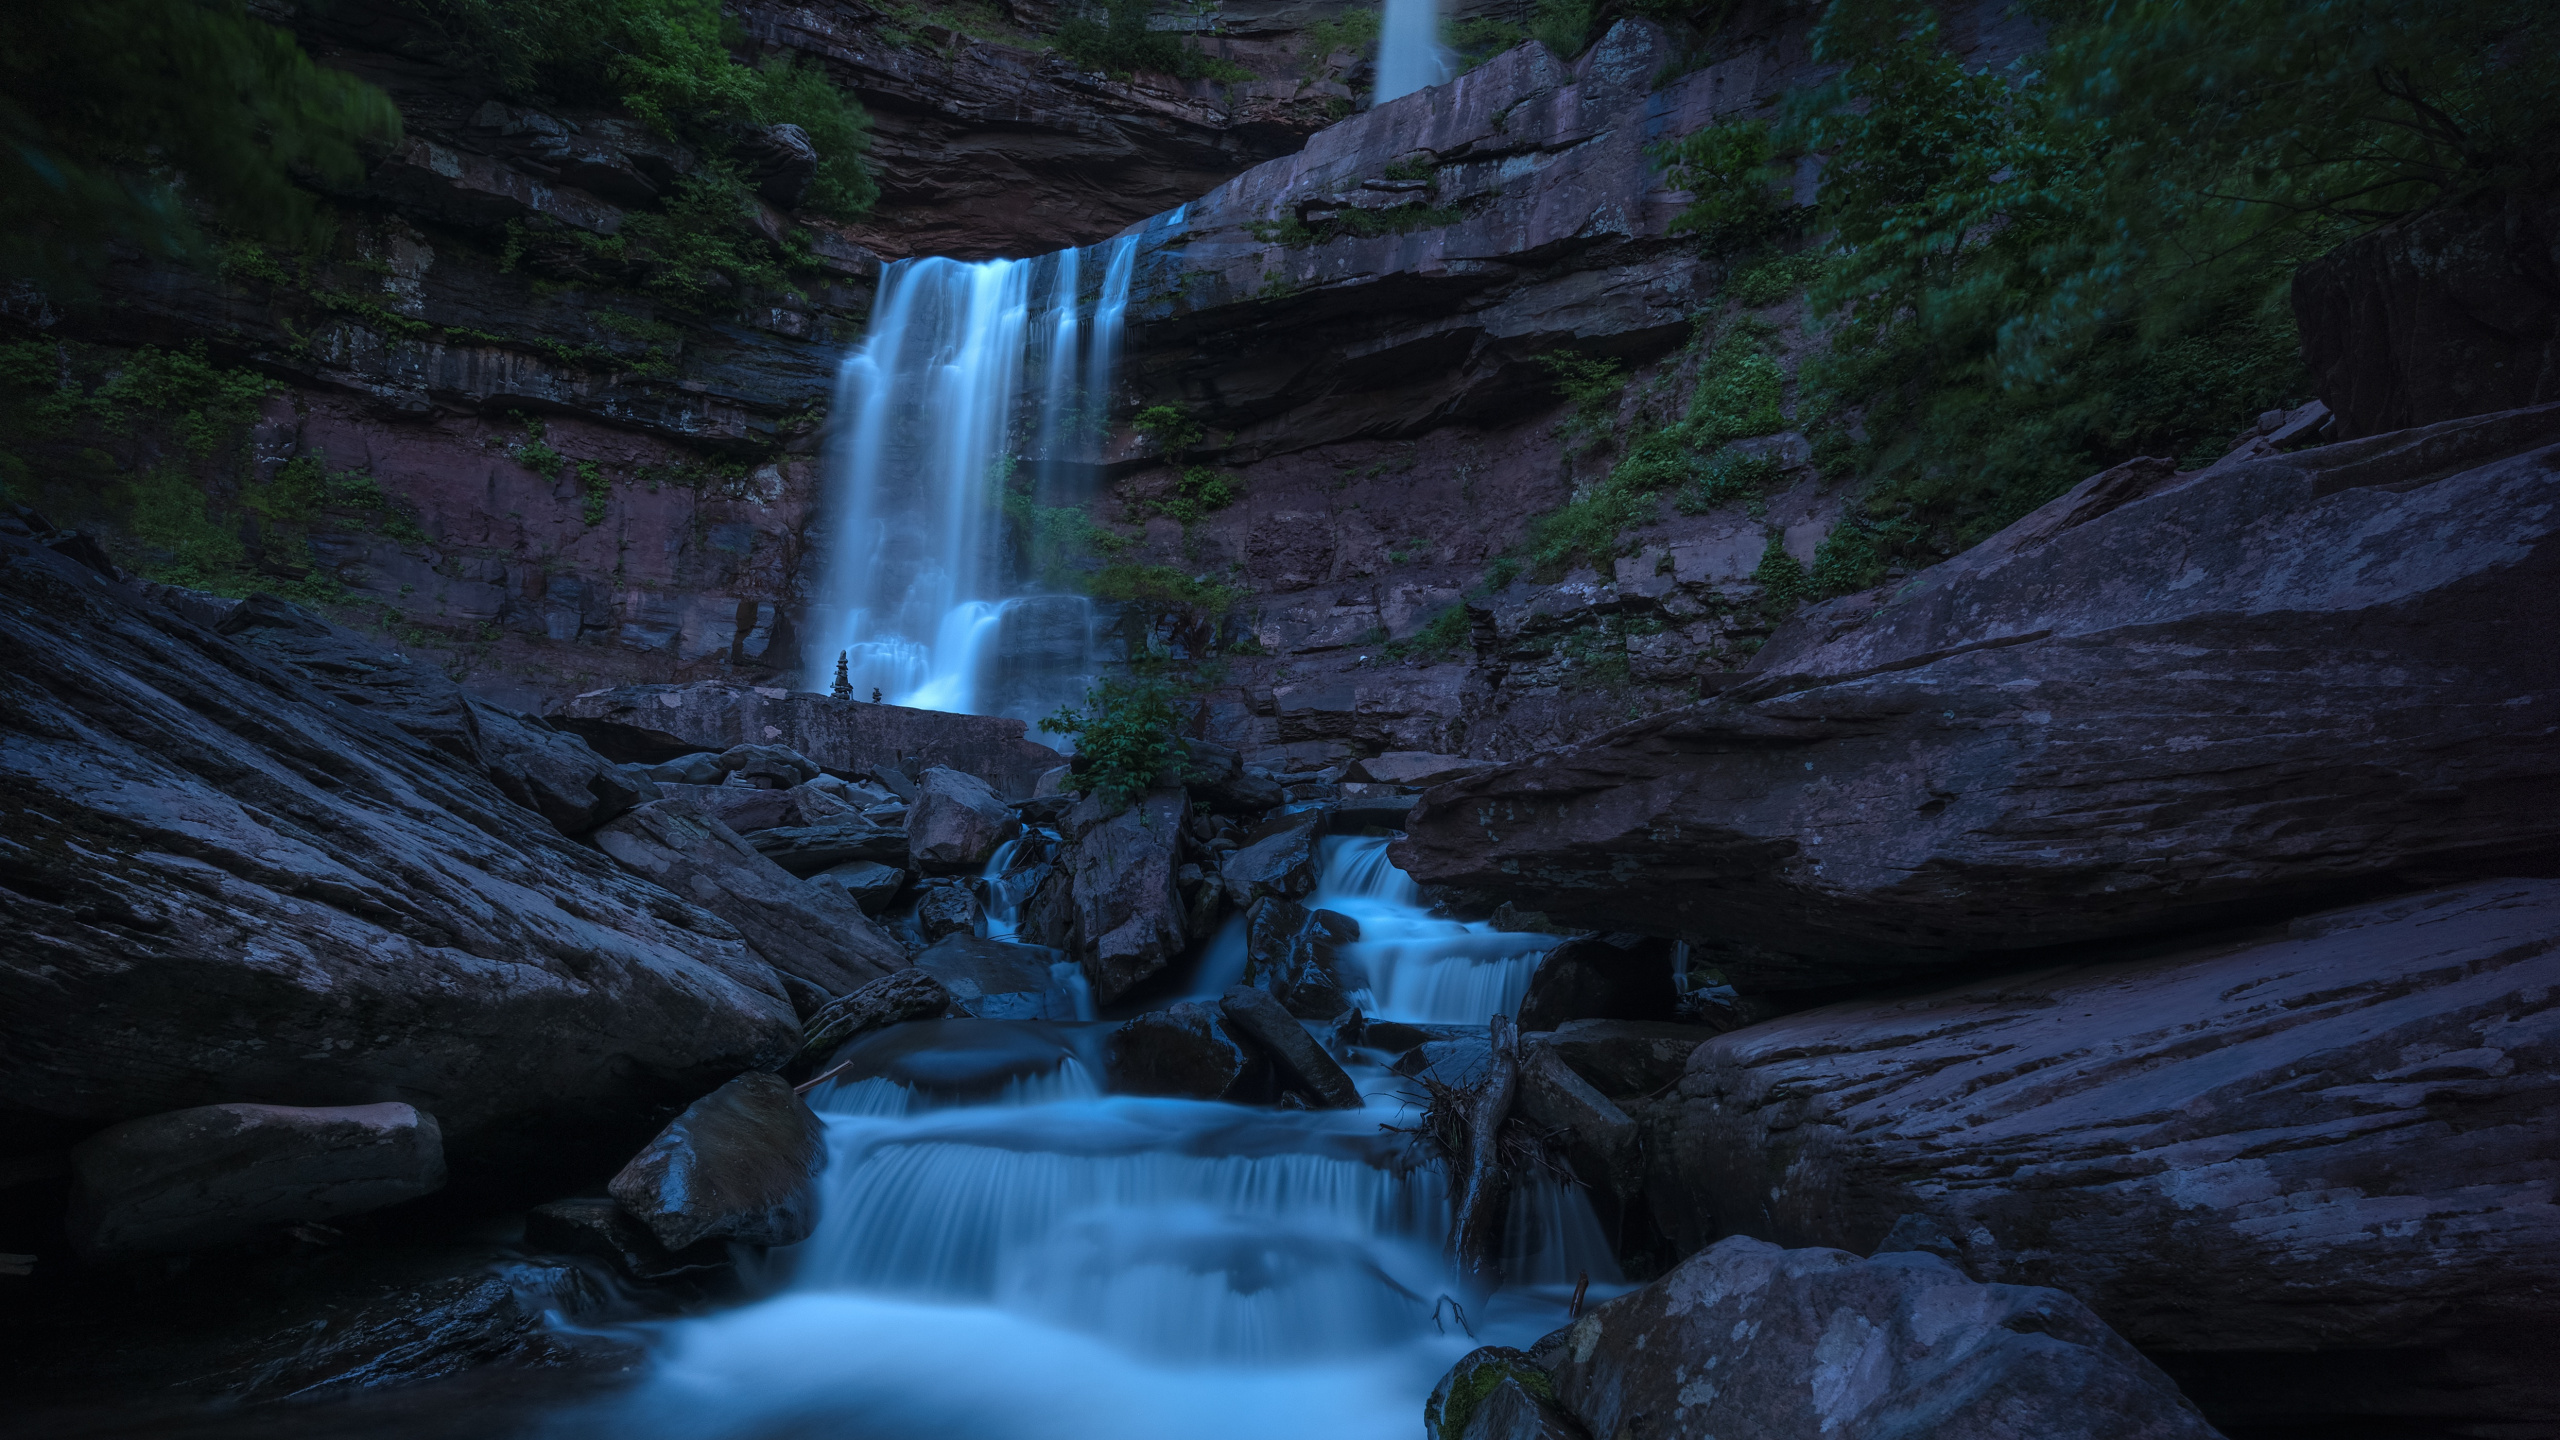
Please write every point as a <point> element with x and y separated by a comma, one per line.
<point>1454,1400</point>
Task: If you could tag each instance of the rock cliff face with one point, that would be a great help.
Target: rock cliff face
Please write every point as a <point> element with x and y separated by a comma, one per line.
<point>2161,702</point>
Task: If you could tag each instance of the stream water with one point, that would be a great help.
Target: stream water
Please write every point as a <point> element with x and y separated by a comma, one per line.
<point>1005,1251</point>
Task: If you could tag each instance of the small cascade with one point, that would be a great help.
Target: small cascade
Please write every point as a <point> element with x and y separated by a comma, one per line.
<point>1410,55</point>
<point>1419,967</point>
<point>969,372</point>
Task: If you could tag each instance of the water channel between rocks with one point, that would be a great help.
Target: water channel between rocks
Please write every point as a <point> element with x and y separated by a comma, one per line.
<point>1005,1251</point>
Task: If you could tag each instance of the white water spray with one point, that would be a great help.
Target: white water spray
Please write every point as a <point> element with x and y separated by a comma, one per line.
<point>1410,55</point>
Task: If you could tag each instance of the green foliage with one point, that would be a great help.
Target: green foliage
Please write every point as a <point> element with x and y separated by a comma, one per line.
<point>200,405</point>
<point>1738,199</point>
<point>1773,281</point>
<point>1199,491</point>
<point>1171,427</point>
<point>1589,383</point>
<point>1443,635</point>
<point>1297,234</point>
<point>1728,476</point>
<point>1176,608</point>
<point>1781,578</point>
<point>701,245</point>
<point>801,94</point>
<point>1353,32</point>
<point>1477,1381</point>
<point>1563,26</point>
<point>1477,41</point>
<point>2043,273</point>
<point>112,110</point>
<point>1121,44</point>
<point>1124,735</point>
<point>595,493</point>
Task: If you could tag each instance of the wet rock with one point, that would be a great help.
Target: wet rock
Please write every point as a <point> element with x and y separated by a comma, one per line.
<point>739,1164</point>
<point>1458,1061</point>
<point>964,1059</point>
<point>218,1174</point>
<point>1496,1393</point>
<point>1626,1057</point>
<point>1303,1065</point>
<point>867,883</point>
<point>1354,813</point>
<point>1841,816</point>
<point>955,823</point>
<point>804,850</point>
<point>1295,955</point>
<point>2344,1141</point>
<point>1183,1050</point>
<point>998,979</point>
<point>812,933</point>
<point>947,909</point>
<point>1217,775</point>
<point>891,1000</point>
<point>228,881</point>
<point>488,1317</point>
<point>747,809</point>
<point>1130,919</point>
<point>1278,859</point>
<point>603,1230</point>
<point>1602,977</point>
<point>1748,1338</point>
<point>1602,1141</point>
<point>1415,768</point>
<point>652,723</point>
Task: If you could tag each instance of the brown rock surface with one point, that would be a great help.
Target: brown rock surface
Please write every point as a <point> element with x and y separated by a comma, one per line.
<point>2294,677</point>
<point>2345,1140</point>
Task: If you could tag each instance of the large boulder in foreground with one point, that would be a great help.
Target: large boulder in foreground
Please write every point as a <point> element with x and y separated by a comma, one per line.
<point>224,882</point>
<point>1746,1339</point>
<point>956,823</point>
<point>1123,865</point>
<point>223,1173</point>
<point>816,936</point>
<point>741,1163</point>
<point>2341,1143</point>
<point>2162,701</point>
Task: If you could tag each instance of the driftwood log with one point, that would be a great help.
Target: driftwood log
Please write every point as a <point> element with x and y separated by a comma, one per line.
<point>1480,1190</point>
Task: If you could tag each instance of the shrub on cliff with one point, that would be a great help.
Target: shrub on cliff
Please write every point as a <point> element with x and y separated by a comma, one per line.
<point>1124,738</point>
<point>1118,42</point>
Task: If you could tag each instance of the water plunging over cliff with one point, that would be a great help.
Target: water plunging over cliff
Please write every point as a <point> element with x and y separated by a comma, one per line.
<point>1410,55</point>
<point>970,372</point>
<point>1419,966</point>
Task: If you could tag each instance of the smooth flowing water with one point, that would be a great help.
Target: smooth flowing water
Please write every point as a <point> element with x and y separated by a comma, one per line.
<point>1418,966</point>
<point>973,378</point>
<point>1006,1253</point>
<point>1410,55</point>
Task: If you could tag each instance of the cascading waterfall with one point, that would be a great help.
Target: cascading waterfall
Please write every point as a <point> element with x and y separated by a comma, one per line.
<point>915,596</point>
<point>1417,966</point>
<point>1006,1253</point>
<point>1410,55</point>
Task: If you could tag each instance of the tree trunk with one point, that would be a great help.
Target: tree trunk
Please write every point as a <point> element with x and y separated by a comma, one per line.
<point>1481,1189</point>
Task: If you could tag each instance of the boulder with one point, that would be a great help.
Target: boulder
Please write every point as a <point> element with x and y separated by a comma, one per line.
<point>227,881</point>
<point>747,808</point>
<point>955,823</point>
<point>1496,1393</point>
<point>1601,1140</point>
<point>1746,1338</point>
<point>2157,703</point>
<point>653,723</point>
<point>1602,977</point>
<point>811,933</point>
<point>223,1173</point>
<point>891,1000</point>
<point>867,883</point>
<point>804,850</point>
<point>947,909</point>
<point>1625,1057</point>
<point>998,979</point>
<point>768,767</point>
<point>700,768</point>
<point>603,1230</point>
<point>1303,1064</point>
<point>1216,774</point>
<point>1278,859</point>
<point>2340,1143</point>
<point>1295,954</point>
<point>741,1164</point>
<point>1130,920</point>
<point>1183,1050</point>
<point>1414,768</point>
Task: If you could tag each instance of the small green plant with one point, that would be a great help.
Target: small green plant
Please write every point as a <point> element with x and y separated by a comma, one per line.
<point>1411,168</point>
<point>1296,234</point>
<point>1734,180</point>
<point>1121,44</point>
<point>1199,491</point>
<point>1444,634</point>
<point>1563,26</point>
<point>1773,281</point>
<point>1171,427</point>
<point>1781,578</point>
<point>1353,32</point>
<point>1477,41</point>
<point>1589,383</point>
<point>596,492</point>
<point>1728,476</point>
<point>1124,736</point>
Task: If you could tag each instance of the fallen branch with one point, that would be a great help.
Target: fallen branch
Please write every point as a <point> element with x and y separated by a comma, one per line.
<point>1480,1190</point>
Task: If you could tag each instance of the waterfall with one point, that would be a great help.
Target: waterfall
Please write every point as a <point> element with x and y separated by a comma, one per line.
<point>1418,966</point>
<point>1410,55</point>
<point>932,428</point>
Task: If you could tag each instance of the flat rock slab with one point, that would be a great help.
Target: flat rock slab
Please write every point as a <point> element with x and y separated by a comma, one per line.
<point>1747,1339</point>
<point>1000,979</point>
<point>217,1174</point>
<point>653,723</point>
<point>2160,702</point>
<point>2347,1140</point>
<point>739,1164</point>
<point>1414,768</point>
